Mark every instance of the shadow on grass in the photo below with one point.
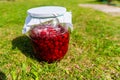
(24, 45)
(2, 76)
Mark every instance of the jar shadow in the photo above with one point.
(24, 45)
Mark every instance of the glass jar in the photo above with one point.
(50, 35)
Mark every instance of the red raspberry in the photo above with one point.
(49, 43)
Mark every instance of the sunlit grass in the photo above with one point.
(94, 48)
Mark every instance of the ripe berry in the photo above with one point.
(49, 43)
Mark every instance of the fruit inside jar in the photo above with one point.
(49, 43)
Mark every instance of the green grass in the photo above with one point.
(94, 48)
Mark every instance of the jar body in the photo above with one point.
(50, 43)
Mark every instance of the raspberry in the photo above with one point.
(49, 43)
(42, 33)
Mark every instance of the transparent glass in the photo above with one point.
(49, 40)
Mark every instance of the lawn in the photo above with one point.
(94, 48)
